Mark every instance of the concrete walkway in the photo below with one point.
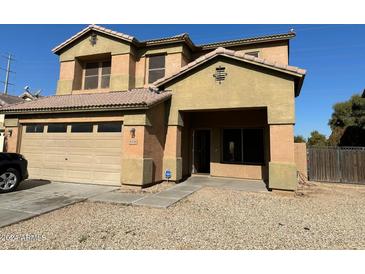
(172, 195)
(228, 183)
(36, 197)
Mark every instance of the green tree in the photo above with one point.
(299, 139)
(317, 139)
(347, 115)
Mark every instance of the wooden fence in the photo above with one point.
(337, 164)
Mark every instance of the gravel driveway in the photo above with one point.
(326, 216)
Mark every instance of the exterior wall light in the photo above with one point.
(133, 133)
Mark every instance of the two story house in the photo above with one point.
(126, 111)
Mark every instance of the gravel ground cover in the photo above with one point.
(320, 216)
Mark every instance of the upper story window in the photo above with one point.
(97, 75)
(156, 68)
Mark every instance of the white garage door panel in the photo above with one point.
(75, 157)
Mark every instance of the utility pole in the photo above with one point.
(7, 73)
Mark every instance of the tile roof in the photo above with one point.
(235, 54)
(116, 34)
(258, 39)
(184, 37)
(6, 99)
(132, 99)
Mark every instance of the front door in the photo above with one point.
(201, 151)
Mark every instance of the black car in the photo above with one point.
(13, 170)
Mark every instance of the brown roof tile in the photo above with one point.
(98, 28)
(258, 39)
(230, 53)
(136, 98)
(184, 37)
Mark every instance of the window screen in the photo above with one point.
(253, 146)
(91, 76)
(57, 128)
(82, 127)
(232, 145)
(34, 128)
(105, 74)
(156, 68)
(243, 146)
(110, 127)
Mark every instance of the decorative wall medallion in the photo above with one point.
(93, 39)
(220, 74)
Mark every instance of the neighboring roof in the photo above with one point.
(6, 99)
(184, 37)
(132, 99)
(26, 95)
(295, 71)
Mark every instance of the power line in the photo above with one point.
(7, 73)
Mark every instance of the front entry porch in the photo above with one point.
(232, 143)
(229, 143)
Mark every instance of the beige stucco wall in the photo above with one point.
(172, 159)
(154, 140)
(273, 51)
(282, 143)
(11, 143)
(122, 72)
(282, 166)
(254, 172)
(142, 161)
(245, 86)
(103, 45)
(300, 155)
(140, 70)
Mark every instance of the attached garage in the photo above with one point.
(109, 138)
(74, 152)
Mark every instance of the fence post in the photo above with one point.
(339, 163)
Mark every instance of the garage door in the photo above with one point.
(76, 152)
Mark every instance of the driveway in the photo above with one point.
(36, 197)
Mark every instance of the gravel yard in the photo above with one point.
(326, 216)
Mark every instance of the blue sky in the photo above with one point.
(334, 56)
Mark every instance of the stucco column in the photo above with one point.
(282, 168)
(172, 153)
(122, 72)
(12, 135)
(67, 73)
(11, 139)
(136, 168)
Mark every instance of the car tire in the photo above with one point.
(9, 180)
